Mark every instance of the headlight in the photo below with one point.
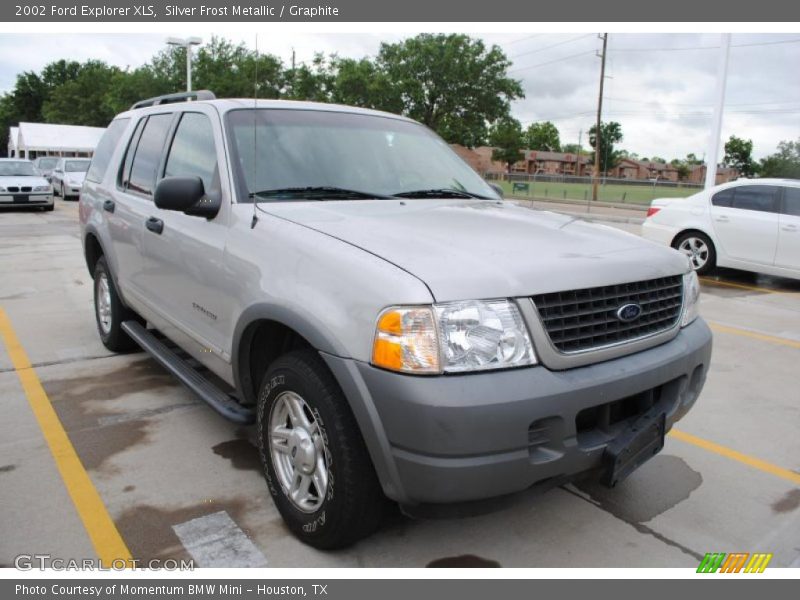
(453, 337)
(2, 189)
(42, 188)
(691, 298)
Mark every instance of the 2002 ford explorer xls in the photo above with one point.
(392, 326)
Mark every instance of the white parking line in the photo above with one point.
(216, 541)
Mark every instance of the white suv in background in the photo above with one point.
(749, 224)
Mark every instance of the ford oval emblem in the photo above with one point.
(629, 312)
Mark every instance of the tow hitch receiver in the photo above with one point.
(636, 444)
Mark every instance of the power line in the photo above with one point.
(684, 48)
(527, 37)
(543, 48)
(550, 62)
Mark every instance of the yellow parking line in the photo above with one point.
(753, 334)
(746, 287)
(105, 537)
(750, 461)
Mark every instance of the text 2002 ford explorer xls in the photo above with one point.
(391, 325)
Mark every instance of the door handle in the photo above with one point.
(722, 219)
(154, 225)
(109, 206)
(789, 227)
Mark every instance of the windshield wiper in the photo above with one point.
(320, 192)
(439, 193)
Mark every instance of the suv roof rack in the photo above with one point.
(172, 98)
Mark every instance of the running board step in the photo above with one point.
(221, 402)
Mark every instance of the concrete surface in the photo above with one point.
(169, 469)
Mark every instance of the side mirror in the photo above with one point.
(497, 189)
(188, 195)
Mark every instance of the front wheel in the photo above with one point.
(699, 249)
(109, 311)
(315, 462)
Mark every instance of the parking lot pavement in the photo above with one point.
(178, 481)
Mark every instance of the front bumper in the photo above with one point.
(469, 437)
(26, 199)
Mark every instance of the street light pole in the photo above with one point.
(719, 104)
(187, 44)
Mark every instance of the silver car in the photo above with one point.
(68, 175)
(392, 327)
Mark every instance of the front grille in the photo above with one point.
(586, 319)
(26, 188)
(13, 188)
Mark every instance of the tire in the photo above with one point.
(55, 191)
(63, 193)
(50, 208)
(700, 250)
(110, 312)
(350, 504)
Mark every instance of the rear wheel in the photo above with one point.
(110, 312)
(699, 249)
(315, 462)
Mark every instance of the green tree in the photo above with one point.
(610, 134)
(362, 83)
(573, 149)
(452, 83)
(692, 160)
(543, 136)
(508, 140)
(784, 163)
(658, 159)
(739, 155)
(83, 99)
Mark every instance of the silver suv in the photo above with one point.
(393, 328)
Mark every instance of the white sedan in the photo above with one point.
(68, 176)
(21, 185)
(748, 224)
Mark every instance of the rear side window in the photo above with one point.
(723, 198)
(761, 198)
(148, 153)
(791, 201)
(105, 148)
(193, 152)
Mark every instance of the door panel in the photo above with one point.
(745, 220)
(184, 262)
(788, 255)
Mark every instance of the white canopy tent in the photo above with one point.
(30, 140)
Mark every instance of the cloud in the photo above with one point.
(660, 86)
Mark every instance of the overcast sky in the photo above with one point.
(660, 87)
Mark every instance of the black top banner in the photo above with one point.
(405, 10)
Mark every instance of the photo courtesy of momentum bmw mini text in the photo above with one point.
(295, 295)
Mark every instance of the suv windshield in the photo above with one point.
(47, 163)
(76, 166)
(289, 154)
(14, 168)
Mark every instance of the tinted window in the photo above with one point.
(148, 154)
(723, 198)
(193, 151)
(105, 148)
(756, 197)
(76, 166)
(47, 163)
(17, 168)
(791, 201)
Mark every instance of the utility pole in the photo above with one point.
(597, 133)
(716, 131)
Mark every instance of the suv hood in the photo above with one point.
(472, 249)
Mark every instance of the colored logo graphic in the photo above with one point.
(744, 562)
